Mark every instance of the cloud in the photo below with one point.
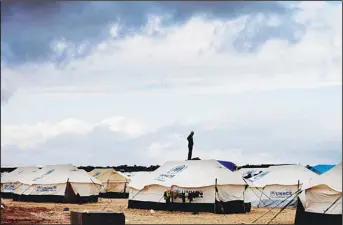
(83, 25)
(190, 58)
(262, 137)
(27, 136)
(259, 83)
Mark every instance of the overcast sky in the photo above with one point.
(112, 83)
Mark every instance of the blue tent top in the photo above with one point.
(230, 165)
(320, 169)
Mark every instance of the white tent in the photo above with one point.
(58, 183)
(277, 186)
(322, 203)
(25, 178)
(146, 190)
(114, 182)
(4, 174)
(12, 180)
(324, 192)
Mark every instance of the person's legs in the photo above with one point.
(190, 148)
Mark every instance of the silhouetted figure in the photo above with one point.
(190, 145)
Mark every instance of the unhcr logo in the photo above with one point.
(9, 187)
(171, 173)
(46, 188)
(177, 169)
(280, 194)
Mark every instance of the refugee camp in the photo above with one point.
(210, 187)
(171, 112)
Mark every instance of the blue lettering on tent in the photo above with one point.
(9, 187)
(46, 189)
(280, 194)
(171, 173)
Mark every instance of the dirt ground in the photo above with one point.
(53, 213)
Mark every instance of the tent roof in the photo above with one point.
(282, 175)
(188, 174)
(50, 174)
(59, 174)
(132, 174)
(19, 174)
(332, 178)
(111, 174)
(247, 170)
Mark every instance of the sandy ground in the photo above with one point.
(52, 213)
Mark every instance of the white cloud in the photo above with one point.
(124, 125)
(249, 138)
(183, 70)
(28, 136)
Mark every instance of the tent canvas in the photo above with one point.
(58, 183)
(11, 181)
(26, 178)
(323, 199)
(190, 176)
(324, 192)
(132, 174)
(277, 186)
(4, 174)
(114, 182)
(250, 172)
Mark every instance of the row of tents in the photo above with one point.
(193, 185)
(234, 191)
(62, 183)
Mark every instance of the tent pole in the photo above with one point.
(108, 182)
(215, 195)
(332, 204)
(260, 200)
(298, 185)
(66, 193)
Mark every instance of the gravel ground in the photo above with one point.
(52, 213)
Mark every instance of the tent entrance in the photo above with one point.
(71, 197)
(302, 217)
(237, 206)
(69, 194)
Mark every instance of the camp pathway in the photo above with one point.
(43, 213)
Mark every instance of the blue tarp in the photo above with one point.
(320, 169)
(230, 165)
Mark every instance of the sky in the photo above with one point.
(124, 83)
